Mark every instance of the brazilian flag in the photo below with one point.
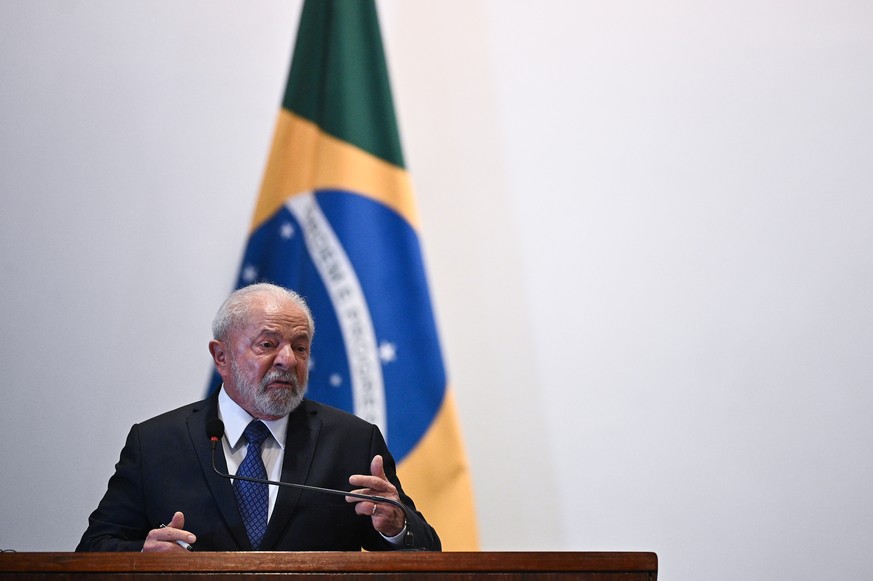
(336, 221)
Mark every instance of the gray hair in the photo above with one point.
(234, 311)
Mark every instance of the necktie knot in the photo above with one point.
(256, 432)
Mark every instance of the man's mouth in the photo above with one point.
(280, 382)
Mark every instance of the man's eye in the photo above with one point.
(266, 344)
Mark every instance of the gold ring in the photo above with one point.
(374, 509)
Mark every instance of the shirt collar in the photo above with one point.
(236, 419)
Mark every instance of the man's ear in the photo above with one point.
(219, 355)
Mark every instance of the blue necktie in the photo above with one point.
(253, 497)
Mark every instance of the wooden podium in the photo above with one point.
(382, 566)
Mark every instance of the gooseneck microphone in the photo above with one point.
(215, 431)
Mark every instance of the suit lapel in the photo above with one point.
(221, 488)
(303, 430)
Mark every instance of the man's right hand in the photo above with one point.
(164, 538)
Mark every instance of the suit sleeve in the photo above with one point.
(423, 535)
(119, 523)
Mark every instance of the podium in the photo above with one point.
(377, 566)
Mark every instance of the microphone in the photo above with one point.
(215, 431)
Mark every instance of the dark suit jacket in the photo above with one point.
(166, 465)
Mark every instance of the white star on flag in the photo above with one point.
(286, 230)
(249, 273)
(387, 352)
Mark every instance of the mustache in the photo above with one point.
(279, 375)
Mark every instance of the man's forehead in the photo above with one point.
(275, 316)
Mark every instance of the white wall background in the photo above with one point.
(649, 232)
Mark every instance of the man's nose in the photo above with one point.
(285, 358)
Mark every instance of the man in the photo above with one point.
(165, 493)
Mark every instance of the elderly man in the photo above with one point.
(165, 494)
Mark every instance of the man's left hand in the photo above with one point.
(387, 519)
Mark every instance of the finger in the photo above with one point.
(164, 539)
(363, 482)
(377, 475)
(178, 521)
(377, 467)
(362, 507)
(376, 483)
(175, 530)
(372, 485)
